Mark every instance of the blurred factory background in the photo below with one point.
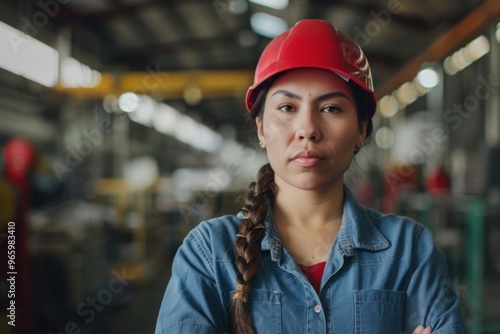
(122, 125)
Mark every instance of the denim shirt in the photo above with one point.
(384, 274)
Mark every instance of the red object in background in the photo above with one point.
(438, 181)
(397, 178)
(20, 156)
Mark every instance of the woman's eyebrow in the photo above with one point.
(331, 95)
(288, 94)
(319, 98)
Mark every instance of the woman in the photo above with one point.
(303, 256)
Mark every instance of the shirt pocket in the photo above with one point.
(379, 311)
(265, 310)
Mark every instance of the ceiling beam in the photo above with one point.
(167, 85)
(115, 9)
(454, 38)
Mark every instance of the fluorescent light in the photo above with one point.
(466, 55)
(25, 56)
(209, 140)
(75, 74)
(128, 102)
(196, 134)
(186, 130)
(141, 173)
(267, 25)
(274, 4)
(421, 90)
(428, 78)
(478, 48)
(165, 119)
(388, 106)
(406, 94)
(169, 121)
(144, 112)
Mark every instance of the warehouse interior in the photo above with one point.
(123, 125)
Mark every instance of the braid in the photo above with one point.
(247, 246)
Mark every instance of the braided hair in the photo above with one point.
(247, 246)
(252, 229)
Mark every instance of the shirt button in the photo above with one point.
(317, 308)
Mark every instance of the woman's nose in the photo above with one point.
(307, 127)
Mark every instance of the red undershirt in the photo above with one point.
(314, 273)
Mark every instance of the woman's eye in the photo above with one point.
(286, 108)
(331, 109)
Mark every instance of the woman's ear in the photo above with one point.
(260, 131)
(362, 132)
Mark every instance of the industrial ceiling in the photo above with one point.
(201, 54)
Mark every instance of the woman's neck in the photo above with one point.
(313, 208)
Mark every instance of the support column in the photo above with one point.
(493, 103)
(492, 115)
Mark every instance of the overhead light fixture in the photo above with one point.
(167, 120)
(143, 113)
(406, 94)
(466, 55)
(128, 102)
(27, 57)
(428, 78)
(478, 48)
(388, 106)
(421, 90)
(274, 4)
(77, 75)
(267, 25)
(141, 173)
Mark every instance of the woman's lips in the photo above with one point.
(307, 159)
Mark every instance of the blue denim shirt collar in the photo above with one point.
(356, 232)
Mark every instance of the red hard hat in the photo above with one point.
(313, 44)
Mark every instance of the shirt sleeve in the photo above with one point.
(191, 303)
(432, 300)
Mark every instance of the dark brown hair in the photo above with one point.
(247, 246)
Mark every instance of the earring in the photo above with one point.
(261, 144)
(358, 147)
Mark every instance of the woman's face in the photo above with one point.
(310, 128)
